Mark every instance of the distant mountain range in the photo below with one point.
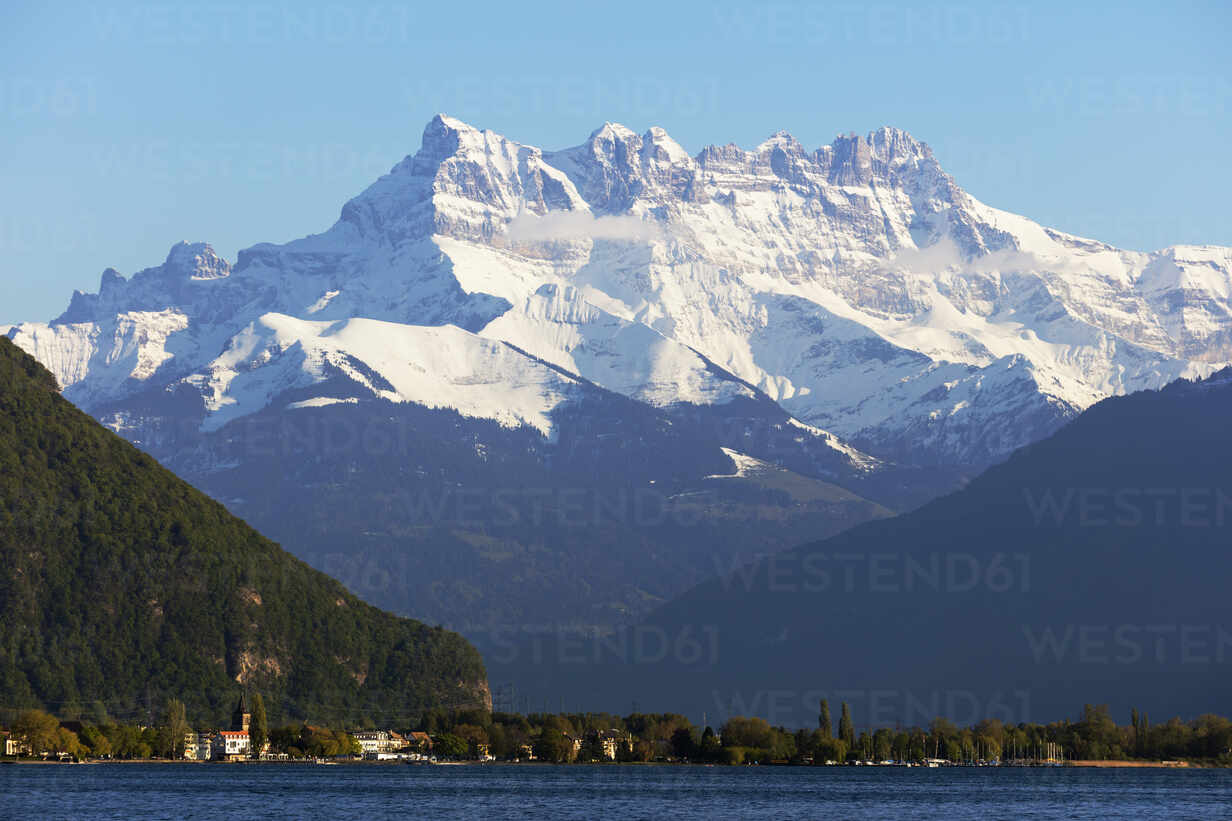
(123, 586)
(1091, 567)
(493, 335)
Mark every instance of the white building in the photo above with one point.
(376, 742)
(15, 746)
(614, 742)
(230, 745)
(198, 746)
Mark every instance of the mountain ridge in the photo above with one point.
(123, 585)
(1086, 567)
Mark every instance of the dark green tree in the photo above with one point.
(684, 744)
(287, 739)
(448, 745)
(173, 729)
(747, 732)
(37, 729)
(823, 720)
(591, 750)
(258, 728)
(98, 714)
(553, 746)
(864, 746)
(709, 747)
(883, 744)
(846, 731)
(96, 742)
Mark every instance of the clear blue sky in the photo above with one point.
(126, 128)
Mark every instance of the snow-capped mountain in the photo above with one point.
(517, 387)
(856, 285)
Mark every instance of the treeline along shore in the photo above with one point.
(473, 735)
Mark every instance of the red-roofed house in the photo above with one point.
(231, 745)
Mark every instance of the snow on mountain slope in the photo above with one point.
(438, 367)
(557, 324)
(870, 230)
(745, 466)
(93, 360)
(856, 285)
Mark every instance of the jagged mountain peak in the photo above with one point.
(463, 182)
(617, 164)
(611, 131)
(447, 139)
(620, 145)
(443, 120)
(111, 278)
(660, 146)
(889, 142)
(195, 260)
(444, 136)
(781, 140)
(188, 267)
(883, 154)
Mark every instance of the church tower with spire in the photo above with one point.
(241, 718)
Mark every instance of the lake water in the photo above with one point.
(494, 792)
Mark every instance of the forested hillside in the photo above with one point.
(122, 584)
